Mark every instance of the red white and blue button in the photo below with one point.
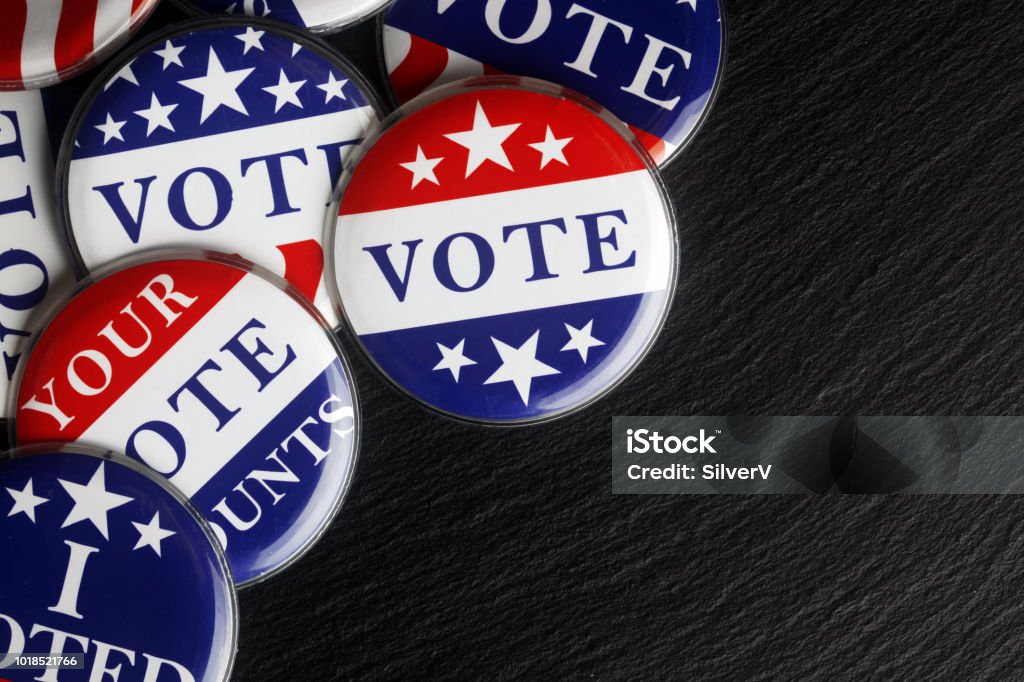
(503, 253)
(226, 135)
(46, 41)
(319, 16)
(34, 266)
(216, 376)
(655, 64)
(105, 561)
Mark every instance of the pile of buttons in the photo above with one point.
(187, 243)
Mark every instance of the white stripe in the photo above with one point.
(209, 450)
(39, 236)
(40, 36)
(112, 24)
(459, 66)
(247, 230)
(397, 44)
(372, 306)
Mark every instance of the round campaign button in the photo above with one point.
(216, 375)
(655, 64)
(34, 264)
(108, 568)
(503, 252)
(319, 16)
(225, 135)
(45, 41)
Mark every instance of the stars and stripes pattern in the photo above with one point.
(98, 549)
(429, 43)
(212, 82)
(318, 15)
(43, 41)
(472, 164)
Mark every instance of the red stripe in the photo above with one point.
(655, 145)
(77, 327)
(12, 30)
(423, 65)
(303, 265)
(75, 33)
(136, 4)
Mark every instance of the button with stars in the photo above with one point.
(226, 135)
(655, 64)
(504, 252)
(318, 16)
(43, 42)
(104, 559)
(219, 376)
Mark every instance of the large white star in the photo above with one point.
(286, 92)
(92, 501)
(157, 115)
(422, 168)
(691, 3)
(484, 141)
(520, 366)
(170, 54)
(25, 501)
(125, 73)
(111, 129)
(151, 534)
(218, 87)
(581, 340)
(251, 39)
(552, 149)
(333, 87)
(453, 359)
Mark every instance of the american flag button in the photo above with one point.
(46, 41)
(106, 562)
(35, 269)
(504, 252)
(226, 135)
(319, 16)
(655, 64)
(216, 374)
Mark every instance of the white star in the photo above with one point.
(581, 340)
(286, 92)
(551, 149)
(92, 501)
(296, 47)
(691, 3)
(170, 54)
(218, 87)
(25, 501)
(333, 88)
(151, 534)
(251, 39)
(453, 359)
(126, 73)
(422, 168)
(157, 116)
(111, 129)
(520, 366)
(484, 141)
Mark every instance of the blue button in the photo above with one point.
(104, 560)
(655, 64)
(503, 252)
(226, 135)
(319, 16)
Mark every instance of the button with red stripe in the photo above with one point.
(319, 16)
(656, 64)
(105, 561)
(46, 41)
(35, 269)
(226, 135)
(215, 374)
(504, 252)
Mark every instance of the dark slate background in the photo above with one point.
(851, 220)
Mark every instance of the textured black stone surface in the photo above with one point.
(851, 217)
